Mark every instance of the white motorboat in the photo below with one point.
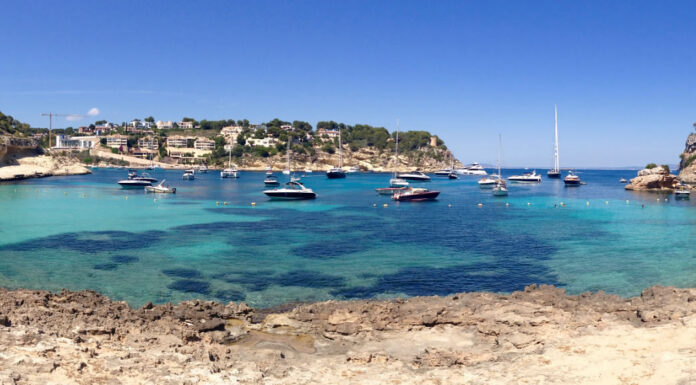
(444, 172)
(161, 189)
(500, 189)
(527, 177)
(271, 180)
(398, 182)
(308, 171)
(134, 183)
(292, 190)
(488, 181)
(189, 175)
(203, 169)
(623, 180)
(416, 176)
(682, 192)
(352, 170)
(472, 169)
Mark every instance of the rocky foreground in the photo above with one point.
(538, 336)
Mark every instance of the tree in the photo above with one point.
(650, 166)
(100, 122)
(150, 119)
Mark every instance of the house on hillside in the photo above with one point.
(265, 142)
(164, 125)
(186, 125)
(204, 144)
(65, 142)
(148, 143)
(117, 141)
(329, 133)
(177, 141)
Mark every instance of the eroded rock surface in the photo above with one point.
(539, 335)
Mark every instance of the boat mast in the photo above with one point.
(288, 153)
(340, 149)
(396, 153)
(500, 145)
(557, 165)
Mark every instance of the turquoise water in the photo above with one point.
(208, 241)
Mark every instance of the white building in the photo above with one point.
(186, 125)
(265, 142)
(148, 143)
(204, 144)
(287, 127)
(330, 133)
(177, 141)
(75, 142)
(164, 125)
(231, 130)
(117, 141)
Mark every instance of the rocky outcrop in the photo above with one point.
(23, 167)
(539, 335)
(687, 165)
(653, 179)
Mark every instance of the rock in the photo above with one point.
(4, 321)
(653, 182)
(210, 325)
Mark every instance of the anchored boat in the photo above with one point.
(292, 190)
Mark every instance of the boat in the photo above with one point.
(472, 169)
(144, 177)
(203, 169)
(308, 171)
(572, 180)
(500, 188)
(292, 190)
(189, 175)
(527, 177)
(453, 175)
(555, 173)
(444, 172)
(488, 181)
(395, 183)
(271, 180)
(415, 194)
(398, 182)
(231, 170)
(623, 180)
(682, 192)
(352, 169)
(161, 188)
(134, 183)
(337, 172)
(417, 176)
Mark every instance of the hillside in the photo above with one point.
(11, 126)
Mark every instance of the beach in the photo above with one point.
(539, 335)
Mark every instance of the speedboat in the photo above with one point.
(230, 172)
(134, 183)
(623, 180)
(527, 177)
(682, 192)
(352, 169)
(202, 169)
(416, 176)
(417, 194)
(572, 180)
(553, 174)
(335, 173)
(398, 182)
(189, 175)
(271, 180)
(488, 181)
(500, 189)
(286, 171)
(390, 190)
(452, 175)
(292, 190)
(308, 171)
(161, 188)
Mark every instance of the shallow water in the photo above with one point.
(208, 241)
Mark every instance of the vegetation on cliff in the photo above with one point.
(12, 126)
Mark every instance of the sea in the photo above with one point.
(224, 240)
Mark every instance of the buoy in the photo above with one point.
(386, 205)
(480, 205)
(606, 202)
(224, 203)
(374, 205)
(126, 197)
(65, 193)
(449, 205)
(587, 203)
(657, 199)
(627, 201)
(83, 195)
(217, 203)
(507, 204)
(253, 203)
(665, 199)
(154, 200)
(529, 204)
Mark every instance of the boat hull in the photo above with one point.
(553, 174)
(335, 174)
(134, 184)
(572, 183)
(290, 195)
(415, 178)
(416, 197)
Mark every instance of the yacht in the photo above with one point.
(416, 194)
(416, 176)
(555, 173)
(308, 171)
(682, 192)
(203, 169)
(472, 169)
(189, 175)
(572, 180)
(500, 188)
(527, 177)
(444, 172)
(390, 190)
(352, 169)
(453, 175)
(144, 177)
(623, 180)
(161, 189)
(395, 183)
(337, 172)
(292, 190)
(271, 180)
(231, 170)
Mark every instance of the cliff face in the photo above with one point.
(653, 179)
(427, 159)
(687, 165)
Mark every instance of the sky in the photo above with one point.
(623, 73)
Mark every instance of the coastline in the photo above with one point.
(41, 166)
(539, 335)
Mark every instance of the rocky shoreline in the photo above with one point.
(539, 335)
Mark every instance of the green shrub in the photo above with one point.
(666, 167)
(650, 166)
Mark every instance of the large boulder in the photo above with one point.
(653, 179)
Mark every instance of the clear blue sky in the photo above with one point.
(623, 73)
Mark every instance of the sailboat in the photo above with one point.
(337, 172)
(395, 183)
(230, 172)
(500, 189)
(556, 172)
(287, 152)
